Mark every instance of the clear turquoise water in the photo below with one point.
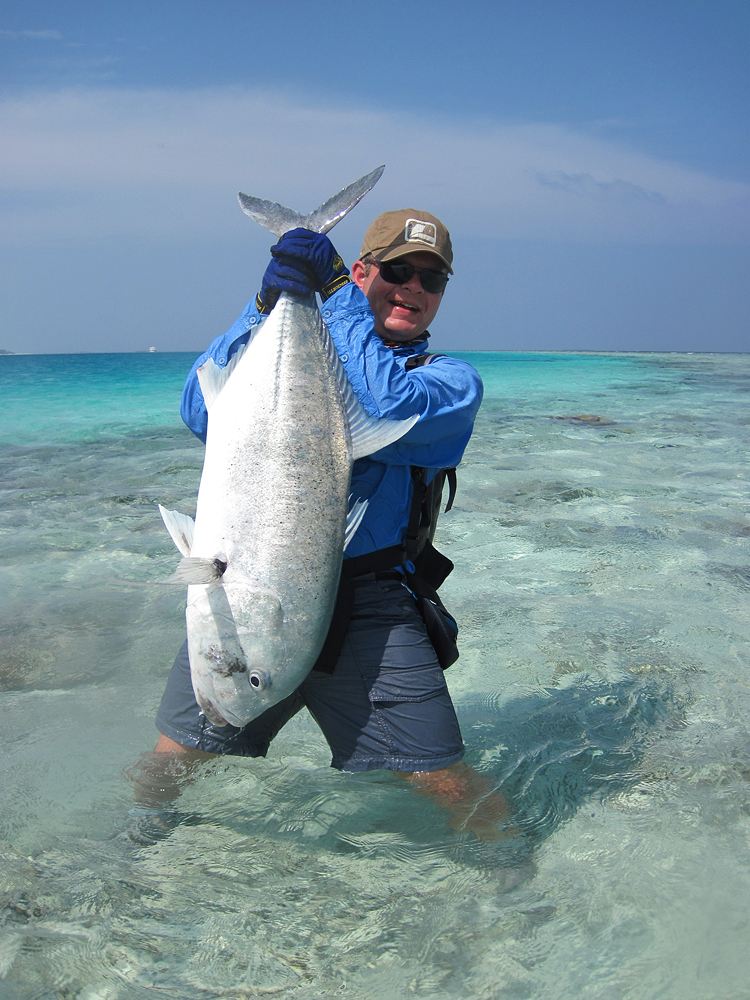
(602, 589)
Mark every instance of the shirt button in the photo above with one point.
(344, 358)
(327, 314)
(222, 361)
(253, 320)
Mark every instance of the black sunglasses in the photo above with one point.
(398, 273)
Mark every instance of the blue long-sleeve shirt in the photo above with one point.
(446, 393)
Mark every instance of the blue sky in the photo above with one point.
(590, 159)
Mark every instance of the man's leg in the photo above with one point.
(387, 706)
(184, 728)
(167, 745)
(159, 776)
(188, 739)
(470, 798)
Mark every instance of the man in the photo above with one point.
(383, 702)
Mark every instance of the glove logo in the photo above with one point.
(337, 264)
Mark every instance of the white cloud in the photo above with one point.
(92, 164)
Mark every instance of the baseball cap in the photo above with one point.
(407, 230)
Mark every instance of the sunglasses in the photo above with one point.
(398, 273)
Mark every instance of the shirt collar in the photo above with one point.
(409, 347)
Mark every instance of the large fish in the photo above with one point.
(263, 557)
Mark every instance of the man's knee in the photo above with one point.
(451, 783)
(167, 745)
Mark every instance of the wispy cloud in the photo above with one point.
(49, 34)
(586, 186)
(88, 164)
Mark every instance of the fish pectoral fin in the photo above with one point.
(354, 519)
(195, 570)
(180, 527)
(366, 432)
(369, 434)
(213, 379)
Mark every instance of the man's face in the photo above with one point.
(402, 312)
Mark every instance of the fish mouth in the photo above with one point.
(208, 709)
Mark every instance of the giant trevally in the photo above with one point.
(263, 557)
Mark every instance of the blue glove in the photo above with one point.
(302, 262)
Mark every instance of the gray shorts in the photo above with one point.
(386, 705)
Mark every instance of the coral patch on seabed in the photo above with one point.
(587, 418)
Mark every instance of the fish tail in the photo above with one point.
(280, 219)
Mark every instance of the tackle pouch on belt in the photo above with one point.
(442, 630)
(428, 569)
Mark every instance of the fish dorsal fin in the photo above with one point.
(213, 379)
(280, 219)
(180, 527)
(368, 433)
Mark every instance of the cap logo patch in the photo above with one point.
(416, 231)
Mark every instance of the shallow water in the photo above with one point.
(602, 588)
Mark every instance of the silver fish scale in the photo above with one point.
(272, 505)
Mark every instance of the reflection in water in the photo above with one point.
(563, 747)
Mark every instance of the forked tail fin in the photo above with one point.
(280, 220)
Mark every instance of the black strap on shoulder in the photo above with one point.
(417, 360)
(450, 475)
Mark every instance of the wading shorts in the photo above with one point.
(386, 705)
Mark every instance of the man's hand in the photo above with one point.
(302, 262)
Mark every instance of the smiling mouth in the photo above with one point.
(406, 305)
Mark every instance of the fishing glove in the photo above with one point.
(302, 262)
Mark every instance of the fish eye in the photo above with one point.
(258, 680)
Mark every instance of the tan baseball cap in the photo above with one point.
(408, 230)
